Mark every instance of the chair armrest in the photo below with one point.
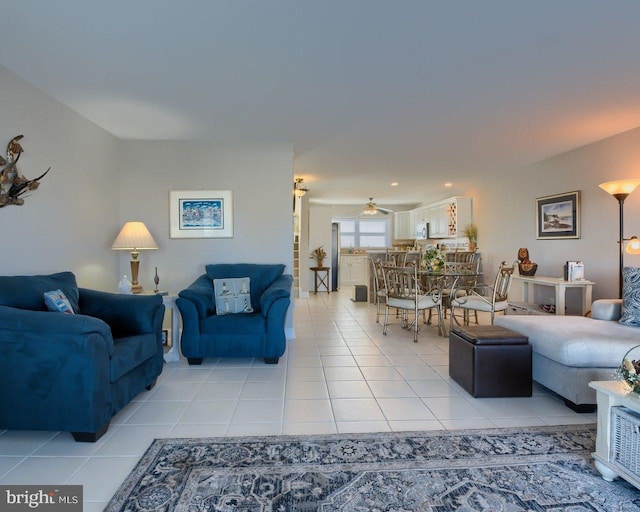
(279, 289)
(127, 315)
(41, 326)
(606, 309)
(200, 293)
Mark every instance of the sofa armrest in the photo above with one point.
(200, 293)
(42, 326)
(127, 315)
(279, 289)
(606, 309)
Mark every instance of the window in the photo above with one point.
(364, 233)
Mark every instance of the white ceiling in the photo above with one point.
(368, 91)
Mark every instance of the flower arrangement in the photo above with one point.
(319, 255)
(433, 259)
(629, 371)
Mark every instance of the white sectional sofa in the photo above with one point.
(571, 351)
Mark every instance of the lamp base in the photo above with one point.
(136, 288)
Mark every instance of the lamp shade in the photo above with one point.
(134, 236)
(622, 187)
(633, 245)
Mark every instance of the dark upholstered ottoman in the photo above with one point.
(490, 361)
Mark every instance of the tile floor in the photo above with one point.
(339, 375)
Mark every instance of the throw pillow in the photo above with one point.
(56, 300)
(630, 297)
(232, 295)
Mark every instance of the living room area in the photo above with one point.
(119, 153)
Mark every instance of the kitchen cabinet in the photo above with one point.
(449, 218)
(354, 269)
(404, 225)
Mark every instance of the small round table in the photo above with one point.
(320, 278)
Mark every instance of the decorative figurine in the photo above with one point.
(156, 280)
(525, 266)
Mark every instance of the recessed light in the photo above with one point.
(394, 184)
(448, 184)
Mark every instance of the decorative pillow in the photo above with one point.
(57, 301)
(630, 296)
(232, 295)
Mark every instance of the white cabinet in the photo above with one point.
(404, 226)
(449, 218)
(354, 269)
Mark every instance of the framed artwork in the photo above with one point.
(558, 216)
(200, 214)
(165, 336)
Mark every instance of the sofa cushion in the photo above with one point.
(251, 323)
(130, 352)
(57, 302)
(574, 340)
(27, 292)
(260, 274)
(232, 295)
(630, 297)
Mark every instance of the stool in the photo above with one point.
(320, 278)
(490, 361)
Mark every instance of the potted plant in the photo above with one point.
(471, 232)
(319, 255)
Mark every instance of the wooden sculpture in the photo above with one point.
(12, 184)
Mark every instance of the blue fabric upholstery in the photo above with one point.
(27, 292)
(257, 334)
(74, 372)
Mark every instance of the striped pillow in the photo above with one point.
(630, 296)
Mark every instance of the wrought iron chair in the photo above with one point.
(460, 256)
(493, 300)
(405, 292)
(459, 274)
(379, 289)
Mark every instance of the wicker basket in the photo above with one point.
(625, 440)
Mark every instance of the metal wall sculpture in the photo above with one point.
(12, 184)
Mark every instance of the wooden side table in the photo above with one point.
(320, 278)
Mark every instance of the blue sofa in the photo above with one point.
(260, 333)
(74, 372)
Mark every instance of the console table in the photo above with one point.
(560, 286)
(612, 394)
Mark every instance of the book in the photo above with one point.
(574, 271)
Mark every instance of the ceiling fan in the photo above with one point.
(372, 208)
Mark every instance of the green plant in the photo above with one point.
(471, 232)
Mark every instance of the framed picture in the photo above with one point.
(200, 214)
(165, 336)
(558, 216)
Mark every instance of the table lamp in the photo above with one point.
(134, 237)
(620, 190)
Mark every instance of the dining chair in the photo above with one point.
(459, 256)
(379, 289)
(490, 299)
(405, 293)
(459, 275)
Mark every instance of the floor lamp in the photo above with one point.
(134, 236)
(620, 190)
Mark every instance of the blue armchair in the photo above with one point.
(74, 372)
(208, 332)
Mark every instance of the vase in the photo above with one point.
(320, 263)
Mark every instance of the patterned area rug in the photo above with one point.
(532, 469)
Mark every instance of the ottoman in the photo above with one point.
(490, 361)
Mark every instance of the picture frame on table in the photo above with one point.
(558, 216)
(200, 214)
(165, 336)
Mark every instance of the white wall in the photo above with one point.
(505, 211)
(64, 224)
(260, 177)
